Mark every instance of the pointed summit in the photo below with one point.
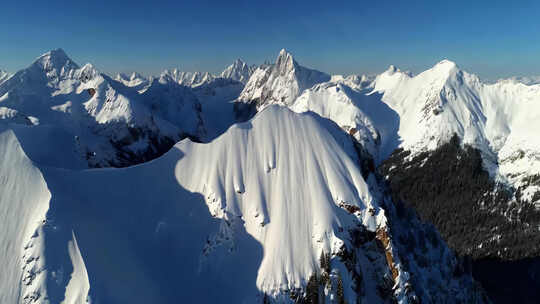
(280, 83)
(285, 61)
(55, 58)
(238, 71)
(445, 65)
(55, 64)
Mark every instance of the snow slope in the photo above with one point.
(23, 205)
(259, 204)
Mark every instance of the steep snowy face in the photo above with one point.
(280, 83)
(238, 71)
(23, 205)
(249, 175)
(112, 124)
(496, 118)
(278, 203)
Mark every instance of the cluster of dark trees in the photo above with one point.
(449, 188)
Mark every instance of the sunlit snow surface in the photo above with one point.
(250, 212)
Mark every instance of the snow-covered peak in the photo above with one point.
(444, 68)
(280, 83)
(285, 62)
(238, 71)
(495, 118)
(55, 63)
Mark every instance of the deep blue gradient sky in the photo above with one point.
(490, 38)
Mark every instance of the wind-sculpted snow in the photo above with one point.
(252, 173)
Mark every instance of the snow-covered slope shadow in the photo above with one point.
(145, 239)
(385, 120)
(24, 200)
(49, 145)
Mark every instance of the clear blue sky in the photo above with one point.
(490, 38)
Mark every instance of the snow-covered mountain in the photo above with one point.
(280, 83)
(105, 122)
(416, 113)
(501, 119)
(262, 201)
(420, 115)
(278, 203)
(238, 71)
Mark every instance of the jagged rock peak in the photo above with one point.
(285, 61)
(238, 71)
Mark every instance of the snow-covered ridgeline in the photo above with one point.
(261, 204)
